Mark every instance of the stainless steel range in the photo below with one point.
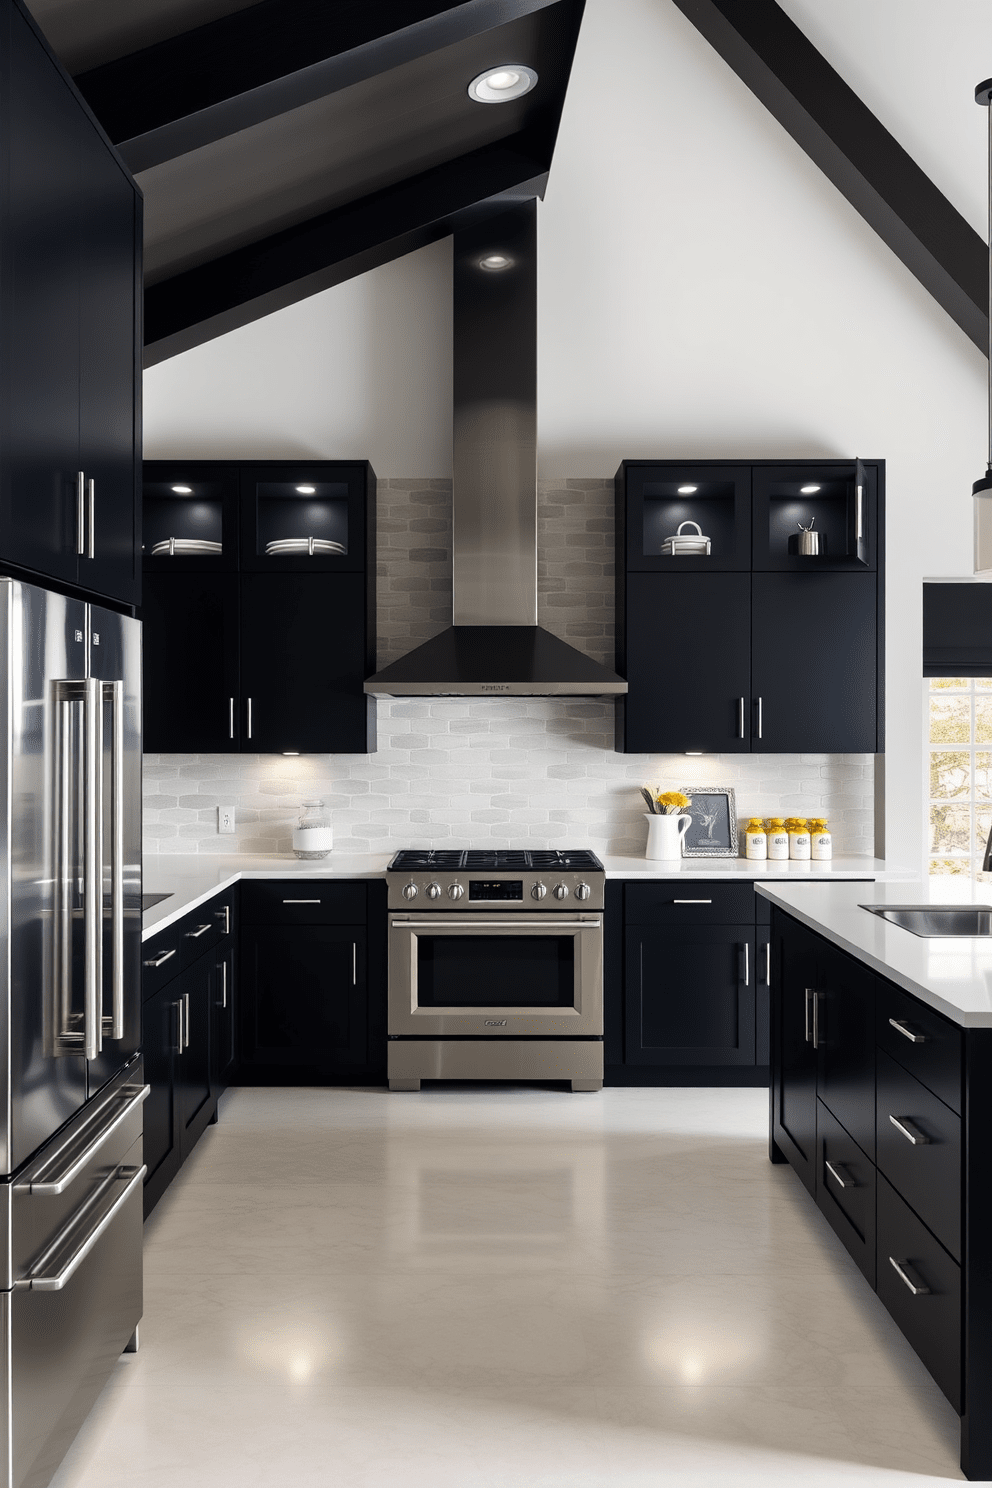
(496, 967)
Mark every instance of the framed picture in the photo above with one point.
(713, 833)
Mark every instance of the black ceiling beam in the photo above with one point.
(220, 78)
(854, 150)
(241, 286)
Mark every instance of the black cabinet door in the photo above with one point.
(40, 312)
(814, 663)
(303, 664)
(794, 1059)
(161, 1021)
(845, 1029)
(108, 248)
(190, 663)
(222, 1048)
(194, 1093)
(303, 996)
(688, 647)
(690, 995)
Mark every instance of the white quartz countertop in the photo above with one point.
(191, 879)
(952, 976)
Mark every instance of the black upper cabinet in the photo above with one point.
(255, 651)
(681, 621)
(70, 224)
(777, 651)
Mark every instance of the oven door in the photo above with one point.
(496, 975)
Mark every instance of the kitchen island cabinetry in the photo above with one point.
(784, 649)
(70, 228)
(883, 1106)
(253, 643)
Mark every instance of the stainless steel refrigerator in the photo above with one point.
(71, 1087)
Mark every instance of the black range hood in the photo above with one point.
(495, 645)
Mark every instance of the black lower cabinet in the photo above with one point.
(920, 1285)
(690, 995)
(223, 1044)
(162, 1149)
(845, 1190)
(304, 996)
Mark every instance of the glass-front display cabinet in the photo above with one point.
(813, 517)
(686, 518)
(303, 518)
(189, 516)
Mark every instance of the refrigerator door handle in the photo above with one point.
(119, 1109)
(54, 1282)
(92, 867)
(62, 950)
(113, 692)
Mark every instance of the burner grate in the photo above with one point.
(494, 860)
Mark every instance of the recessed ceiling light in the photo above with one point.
(687, 490)
(183, 490)
(808, 490)
(502, 84)
(494, 262)
(307, 490)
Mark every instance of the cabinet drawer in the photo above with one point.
(845, 1190)
(921, 1157)
(692, 903)
(923, 1042)
(299, 902)
(930, 1319)
(160, 959)
(166, 954)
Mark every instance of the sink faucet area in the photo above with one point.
(937, 920)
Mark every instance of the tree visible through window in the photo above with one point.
(960, 773)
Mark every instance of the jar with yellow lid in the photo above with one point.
(755, 840)
(778, 839)
(821, 843)
(798, 829)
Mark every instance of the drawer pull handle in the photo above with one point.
(692, 901)
(745, 973)
(301, 901)
(910, 1131)
(813, 1025)
(839, 1176)
(195, 934)
(909, 1277)
(160, 959)
(900, 1027)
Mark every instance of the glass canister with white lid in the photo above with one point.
(313, 835)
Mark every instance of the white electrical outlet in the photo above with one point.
(225, 818)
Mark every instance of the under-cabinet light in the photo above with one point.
(291, 753)
(808, 490)
(307, 490)
(494, 262)
(693, 753)
(502, 84)
(183, 490)
(687, 490)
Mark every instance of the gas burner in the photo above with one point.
(495, 860)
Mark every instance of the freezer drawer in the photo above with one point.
(66, 1323)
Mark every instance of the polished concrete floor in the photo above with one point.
(504, 1288)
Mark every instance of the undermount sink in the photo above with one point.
(932, 920)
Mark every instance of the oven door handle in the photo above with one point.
(503, 923)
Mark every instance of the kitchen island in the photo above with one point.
(881, 1101)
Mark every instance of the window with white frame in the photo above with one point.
(960, 773)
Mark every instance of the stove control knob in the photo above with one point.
(433, 891)
(560, 891)
(410, 891)
(538, 891)
(455, 891)
(582, 891)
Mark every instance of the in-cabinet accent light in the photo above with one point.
(808, 490)
(307, 490)
(693, 753)
(291, 753)
(183, 490)
(502, 84)
(687, 490)
(494, 262)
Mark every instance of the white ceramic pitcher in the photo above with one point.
(665, 835)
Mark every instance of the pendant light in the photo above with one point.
(982, 489)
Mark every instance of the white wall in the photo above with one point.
(704, 291)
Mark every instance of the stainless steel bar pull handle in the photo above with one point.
(859, 514)
(160, 959)
(745, 974)
(91, 518)
(810, 996)
(93, 867)
(428, 925)
(249, 718)
(222, 968)
(50, 1184)
(179, 1025)
(64, 876)
(909, 1277)
(816, 1020)
(757, 732)
(230, 718)
(132, 1178)
(741, 708)
(301, 901)
(768, 963)
(226, 914)
(910, 1131)
(692, 901)
(80, 513)
(839, 1176)
(901, 1026)
(186, 1019)
(113, 692)
(354, 964)
(195, 934)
